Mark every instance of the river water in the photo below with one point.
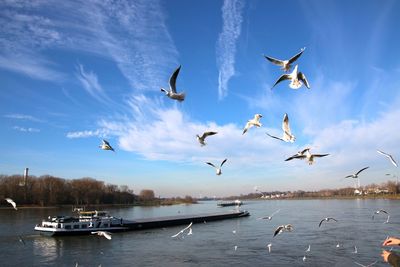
(213, 243)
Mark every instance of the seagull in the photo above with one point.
(299, 154)
(9, 200)
(355, 175)
(268, 217)
(269, 247)
(285, 64)
(359, 264)
(388, 156)
(218, 170)
(254, 122)
(355, 250)
(234, 232)
(280, 229)
(190, 231)
(202, 138)
(106, 146)
(307, 155)
(296, 79)
(338, 245)
(383, 211)
(171, 93)
(326, 220)
(304, 258)
(183, 230)
(287, 135)
(103, 233)
(236, 248)
(308, 249)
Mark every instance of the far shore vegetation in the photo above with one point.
(50, 191)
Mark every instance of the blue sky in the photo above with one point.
(74, 72)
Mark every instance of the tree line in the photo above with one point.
(48, 190)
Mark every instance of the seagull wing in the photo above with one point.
(361, 170)
(222, 163)
(172, 79)
(275, 137)
(248, 126)
(388, 156)
(106, 143)
(303, 78)
(107, 235)
(205, 134)
(321, 222)
(296, 157)
(295, 57)
(278, 230)
(282, 78)
(332, 219)
(275, 213)
(9, 200)
(320, 155)
(384, 211)
(209, 163)
(349, 176)
(285, 125)
(274, 60)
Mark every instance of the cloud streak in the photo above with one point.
(23, 129)
(91, 84)
(226, 45)
(22, 117)
(84, 134)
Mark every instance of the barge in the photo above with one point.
(230, 203)
(89, 221)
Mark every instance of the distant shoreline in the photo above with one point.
(392, 197)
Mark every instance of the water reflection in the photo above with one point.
(48, 247)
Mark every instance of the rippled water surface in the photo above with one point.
(213, 243)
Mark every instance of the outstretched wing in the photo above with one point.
(278, 230)
(285, 125)
(275, 137)
(320, 155)
(274, 60)
(205, 134)
(333, 219)
(295, 57)
(321, 222)
(361, 170)
(296, 157)
(282, 78)
(172, 79)
(303, 78)
(222, 163)
(209, 163)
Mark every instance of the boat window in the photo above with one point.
(68, 227)
(84, 225)
(58, 225)
(76, 226)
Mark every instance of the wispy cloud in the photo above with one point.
(91, 84)
(22, 117)
(83, 134)
(23, 129)
(226, 45)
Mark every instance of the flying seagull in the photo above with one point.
(218, 170)
(308, 249)
(304, 258)
(362, 265)
(253, 122)
(287, 134)
(171, 93)
(183, 230)
(9, 200)
(282, 228)
(382, 211)
(285, 64)
(103, 233)
(298, 154)
(355, 250)
(106, 146)
(355, 175)
(326, 220)
(388, 156)
(268, 217)
(296, 78)
(202, 138)
(307, 155)
(269, 247)
(21, 240)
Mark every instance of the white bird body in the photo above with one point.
(309, 248)
(287, 134)
(285, 64)
(296, 79)
(253, 122)
(382, 211)
(9, 200)
(269, 247)
(103, 233)
(218, 171)
(203, 137)
(106, 146)
(172, 93)
(282, 228)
